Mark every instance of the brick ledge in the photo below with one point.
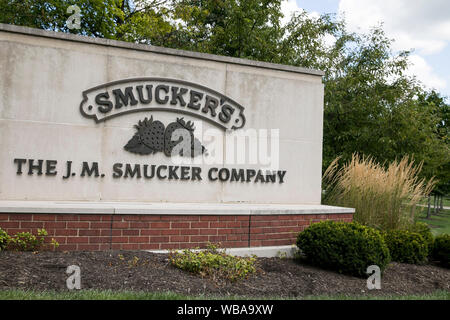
(93, 232)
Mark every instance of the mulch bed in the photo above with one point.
(276, 277)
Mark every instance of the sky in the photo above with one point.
(422, 26)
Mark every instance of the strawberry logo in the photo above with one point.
(178, 137)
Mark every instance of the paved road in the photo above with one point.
(424, 205)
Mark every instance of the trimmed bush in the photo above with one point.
(344, 247)
(441, 249)
(425, 231)
(4, 239)
(406, 246)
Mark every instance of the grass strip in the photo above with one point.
(138, 295)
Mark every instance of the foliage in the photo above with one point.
(113, 19)
(133, 262)
(441, 249)
(26, 241)
(345, 247)
(383, 198)
(214, 263)
(437, 159)
(4, 239)
(405, 246)
(372, 108)
(425, 231)
(245, 29)
(54, 243)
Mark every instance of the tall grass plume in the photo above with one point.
(383, 197)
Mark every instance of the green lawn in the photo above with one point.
(439, 223)
(129, 295)
(446, 202)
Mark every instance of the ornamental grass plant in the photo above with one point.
(384, 196)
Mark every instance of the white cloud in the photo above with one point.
(420, 25)
(424, 73)
(423, 25)
(329, 40)
(289, 7)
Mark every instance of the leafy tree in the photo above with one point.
(245, 29)
(439, 156)
(112, 19)
(372, 108)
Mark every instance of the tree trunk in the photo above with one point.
(435, 204)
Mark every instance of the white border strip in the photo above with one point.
(61, 207)
(262, 252)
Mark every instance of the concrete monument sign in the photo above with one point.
(97, 126)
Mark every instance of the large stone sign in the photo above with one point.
(98, 126)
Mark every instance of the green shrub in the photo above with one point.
(4, 239)
(406, 246)
(25, 241)
(425, 231)
(441, 249)
(214, 263)
(345, 247)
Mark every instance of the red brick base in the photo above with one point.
(135, 232)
